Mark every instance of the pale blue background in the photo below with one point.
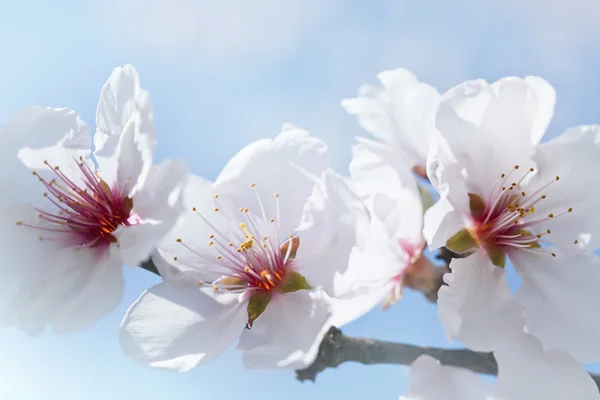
(224, 73)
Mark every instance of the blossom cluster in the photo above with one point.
(279, 247)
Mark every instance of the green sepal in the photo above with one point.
(497, 256)
(258, 304)
(292, 282)
(477, 206)
(461, 242)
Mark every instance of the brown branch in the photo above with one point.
(337, 348)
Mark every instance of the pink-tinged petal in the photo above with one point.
(528, 372)
(288, 333)
(332, 225)
(285, 167)
(176, 262)
(430, 380)
(560, 297)
(477, 306)
(356, 303)
(181, 328)
(120, 99)
(545, 109)
(574, 157)
(157, 206)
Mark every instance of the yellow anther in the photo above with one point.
(230, 244)
(264, 238)
(532, 209)
(503, 188)
(174, 258)
(272, 220)
(291, 236)
(548, 231)
(212, 236)
(19, 222)
(543, 196)
(523, 194)
(245, 210)
(276, 195)
(553, 255)
(193, 208)
(575, 242)
(216, 196)
(570, 209)
(550, 215)
(33, 173)
(215, 287)
(538, 236)
(246, 269)
(516, 167)
(513, 184)
(502, 176)
(219, 257)
(253, 184)
(211, 243)
(557, 177)
(216, 209)
(57, 168)
(200, 283)
(530, 169)
(178, 240)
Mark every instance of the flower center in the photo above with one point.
(506, 219)
(84, 215)
(251, 260)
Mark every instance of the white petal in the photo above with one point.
(181, 328)
(355, 304)
(194, 232)
(38, 134)
(400, 115)
(477, 306)
(66, 281)
(98, 299)
(332, 222)
(574, 156)
(120, 99)
(158, 206)
(527, 372)
(488, 127)
(287, 165)
(429, 380)
(545, 110)
(560, 297)
(133, 156)
(441, 222)
(288, 333)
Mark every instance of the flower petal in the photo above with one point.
(158, 205)
(35, 135)
(430, 380)
(477, 306)
(287, 166)
(574, 157)
(176, 262)
(289, 332)
(399, 115)
(120, 99)
(528, 372)
(181, 328)
(560, 295)
(331, 226)
(545, 110)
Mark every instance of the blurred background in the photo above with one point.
(225, 73)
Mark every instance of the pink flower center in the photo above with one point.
(250, 260)
(506, 219)
(83, 215)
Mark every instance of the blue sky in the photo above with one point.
(224, 73)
